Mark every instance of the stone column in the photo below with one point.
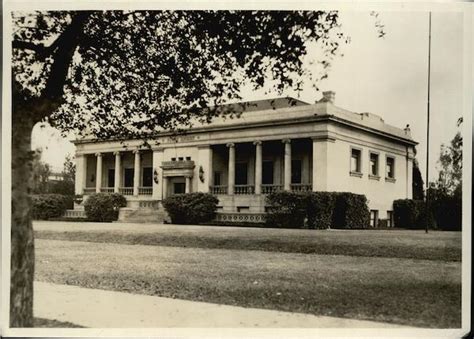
(287, 165)
(231, 169)
(188, 185)
(136, 172)
(98, 173)
(258, 167)
(118, 172)
(81, 173)
(165, 187)
(157, 174)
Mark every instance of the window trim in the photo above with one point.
(375, 176)
(393, 178)
(360, 162)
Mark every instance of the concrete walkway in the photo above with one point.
(108, 309)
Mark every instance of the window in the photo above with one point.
(241, 173)
(389, 218)
(147, 178)
(243, 209)
(355, 160)
(111, 177)
(180, 158)
(217, 178)
(128, 176)
(267, 172)
(173, 159)
(374, 218)
(188, 158)
(374, 164)
(390, 168)
(296, 171)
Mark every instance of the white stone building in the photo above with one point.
(273, 145)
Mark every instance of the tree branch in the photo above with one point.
(38, 48)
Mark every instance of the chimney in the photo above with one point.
(329, 96)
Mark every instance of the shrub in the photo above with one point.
(191, 208)
(412, 214)
(104, 207)
(46, 206)
(317, 210)
(286, 209)
(351, 211)
(320, 209)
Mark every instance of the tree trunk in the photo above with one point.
(22, 245)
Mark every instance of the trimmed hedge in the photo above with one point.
(191, 208)
(46, 206)
(317, 210)
(411, 214)
(351, 211)
(104, 207)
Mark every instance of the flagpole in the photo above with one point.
(428, 127)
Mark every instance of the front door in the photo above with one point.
(179, 187)
(111, 177)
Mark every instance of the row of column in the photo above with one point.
(258, 167)
(118, 172)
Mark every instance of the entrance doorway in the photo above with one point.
(179, 187)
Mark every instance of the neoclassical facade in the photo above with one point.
(274, 145)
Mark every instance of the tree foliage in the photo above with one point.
(40, 173)
(135, 73)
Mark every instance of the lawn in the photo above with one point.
(376, 287)
(444, 246)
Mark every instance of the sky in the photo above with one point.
(385, 76)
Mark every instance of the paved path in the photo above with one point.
(108, 309)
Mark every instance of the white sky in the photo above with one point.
(386, 76)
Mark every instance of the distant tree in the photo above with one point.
(445, 194)
(40, 174)
(66, 185)
(134, 73)
(417, 182)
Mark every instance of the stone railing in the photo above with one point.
(145, 190)
(149, 204)
(107, 190)
(89, 190)
(270, 188)
(244, 189)
(301, 187)
(75, 214)
(126, 190)
(218, 189)
(240, 217)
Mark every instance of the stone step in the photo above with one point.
(142, 215)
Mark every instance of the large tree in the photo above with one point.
(129, 74)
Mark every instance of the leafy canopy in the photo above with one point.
(134, 73)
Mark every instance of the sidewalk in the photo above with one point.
(108, 309)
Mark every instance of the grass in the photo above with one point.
(424, 293)
(437, 246)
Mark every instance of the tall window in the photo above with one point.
(296, 171)
(355, 160)
(374, 164)
(111, 177)
(217, 178)
(128, 177)
(241, 173)
(147, 179)
(390, 168)
(267, 172)
(374, 218)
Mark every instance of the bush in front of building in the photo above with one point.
(351, 211)
(320, 209)
(286, 209)
(104, 207)
(47, 206)
(191, 208)
(412, 214)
